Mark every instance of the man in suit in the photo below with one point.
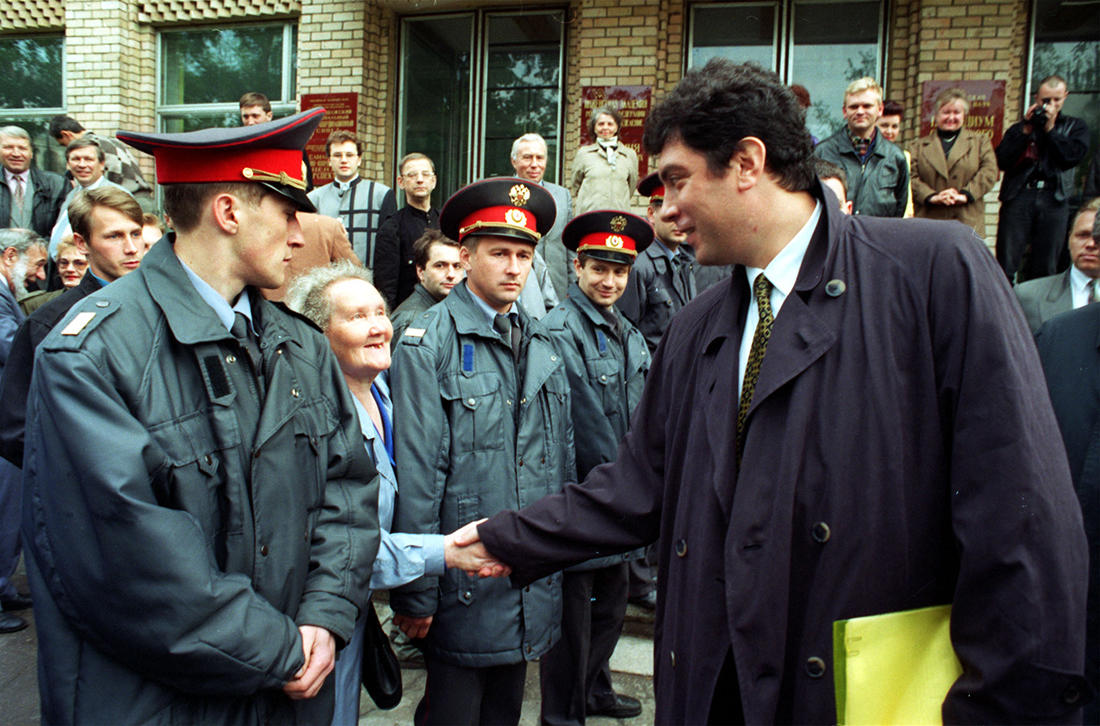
(1069, 349)
(22, 259)
(529, 155)
(1048, 296)
(29, 198)
(775, 399)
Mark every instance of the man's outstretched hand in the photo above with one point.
(463, 550)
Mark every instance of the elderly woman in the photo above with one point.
(606, 172)
(953, 168)
(341, 300)
(71, 262)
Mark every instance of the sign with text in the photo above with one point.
(987, 106)
(632, 102)
(341, 113)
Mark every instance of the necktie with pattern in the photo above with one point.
(762, 290)
(1092, 293)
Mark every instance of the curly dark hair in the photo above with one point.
(714, 107)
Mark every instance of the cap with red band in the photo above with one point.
(268, 153)
(608, 235)
(500, 207)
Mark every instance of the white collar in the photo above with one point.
(782, 271)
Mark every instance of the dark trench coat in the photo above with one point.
(901, 452)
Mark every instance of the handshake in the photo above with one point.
(463, 550)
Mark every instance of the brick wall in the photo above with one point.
(17, 15)
(109, 86)
(620, 43)
(957, 39)
(346, 47)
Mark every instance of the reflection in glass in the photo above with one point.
(740, 33)
(435, 103)
(834, 43)
(523, 86)
(33, 68)
(217, 66)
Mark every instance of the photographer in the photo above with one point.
(1038, 155)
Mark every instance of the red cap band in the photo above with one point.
(502, 216)
(608, 241)
(224, 164)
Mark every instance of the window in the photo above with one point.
(822, 44)
(471, 83)
(1066, 42)
(203, 73)
(38, 62)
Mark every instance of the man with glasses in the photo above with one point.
(360, 204)
(394, 270)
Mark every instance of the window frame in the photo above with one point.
(287, 104)
(476, 121)
(50, 158)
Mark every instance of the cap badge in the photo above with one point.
(516, 216)
(615, 240)
(618, 224)
(519, 194)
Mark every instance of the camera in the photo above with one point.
(1040, 116)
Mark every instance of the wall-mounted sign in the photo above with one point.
(341, 113)
(632, 102)
(987, 106)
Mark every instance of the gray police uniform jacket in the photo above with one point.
(177, 531)
(470, 441)
(656, 291)
(607, 372)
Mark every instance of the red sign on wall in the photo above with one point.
(632, 102)
(987, 106)
(341, 113)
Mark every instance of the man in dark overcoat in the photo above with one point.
(1069, 349)
(854, 423)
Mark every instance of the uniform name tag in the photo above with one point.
(78, 323)
(414, 332)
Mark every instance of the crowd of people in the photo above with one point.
(761, 408)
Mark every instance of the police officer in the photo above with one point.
(200, 516)
(482, 400)
(607, 360)
(663, 279)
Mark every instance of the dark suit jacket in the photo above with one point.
(883, 449)
(1045, 297)
(1069, 348)
(17, 375)
(50, 191)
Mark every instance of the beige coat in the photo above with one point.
(971, 168)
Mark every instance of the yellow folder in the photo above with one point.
(894, 668)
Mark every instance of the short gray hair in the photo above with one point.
(15, 131)
(524, 139)
(308, 294)
(21, 239)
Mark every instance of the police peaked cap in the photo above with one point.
(507, 207)
(652, 187)
(269, 153)
(608, 235)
